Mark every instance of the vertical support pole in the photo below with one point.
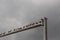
(45, 28)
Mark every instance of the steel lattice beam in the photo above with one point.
(42, 22)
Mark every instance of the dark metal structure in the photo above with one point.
(42, 22)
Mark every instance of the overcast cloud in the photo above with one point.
(16, 13)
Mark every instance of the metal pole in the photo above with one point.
(45, 28)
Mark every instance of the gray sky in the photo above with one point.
(16, 13)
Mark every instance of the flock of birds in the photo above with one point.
(23, 28)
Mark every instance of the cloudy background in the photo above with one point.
(16, 13)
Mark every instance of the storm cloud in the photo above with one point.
(16, 13)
